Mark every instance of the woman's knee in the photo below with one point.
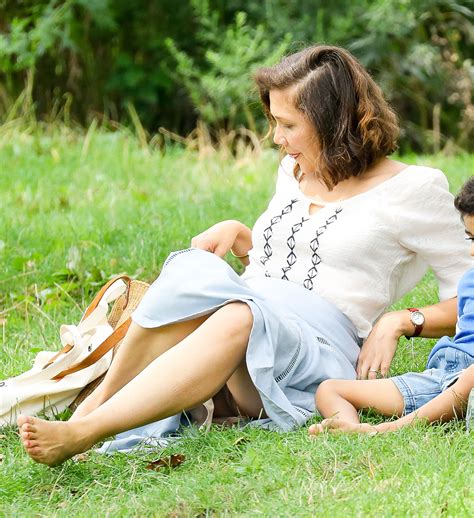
(238, 316)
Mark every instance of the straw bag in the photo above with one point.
(58, 379)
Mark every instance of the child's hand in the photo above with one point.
(379, 348)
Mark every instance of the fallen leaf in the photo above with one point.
(81, 457)
(172, 461)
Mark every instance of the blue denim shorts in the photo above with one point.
(443, 369)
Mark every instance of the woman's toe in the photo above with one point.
(21, 420)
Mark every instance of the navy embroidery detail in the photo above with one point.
(322, 340)
(268, 232)
(314, 245)
(302, 411)
(174, 254)
(291, 257)
(292, 363)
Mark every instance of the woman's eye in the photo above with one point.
(469, 239)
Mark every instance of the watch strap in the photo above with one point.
(418, 327)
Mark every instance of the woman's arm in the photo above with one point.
(225, 236)
(378, 350)
(440, 319)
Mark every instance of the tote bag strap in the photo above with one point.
(64, 350)
(93, 305)
(102, 291)
(108, 344)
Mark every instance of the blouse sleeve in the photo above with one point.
(429, 225)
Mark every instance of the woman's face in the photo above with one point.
(293, 130)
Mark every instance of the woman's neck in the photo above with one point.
(313, 186)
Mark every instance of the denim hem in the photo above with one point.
(408, 397)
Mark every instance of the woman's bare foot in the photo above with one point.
(51, 442)
(335, 425)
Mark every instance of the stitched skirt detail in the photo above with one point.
(297, 339)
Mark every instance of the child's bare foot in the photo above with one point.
(50, 442)
(335, 425)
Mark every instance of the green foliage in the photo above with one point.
(178, 62)
(420, 53)
(221, 89)
(34, 35)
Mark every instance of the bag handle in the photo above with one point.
(102, 291)
(117, 335)
(64, 350)
(93, 305)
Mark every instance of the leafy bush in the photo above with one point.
(221, 88)
(177, 62)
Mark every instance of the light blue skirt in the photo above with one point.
(297, 340)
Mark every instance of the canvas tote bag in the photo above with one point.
(57, 378)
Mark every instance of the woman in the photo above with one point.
(347, 233)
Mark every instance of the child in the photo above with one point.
(437, 394)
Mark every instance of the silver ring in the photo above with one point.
(373, 370)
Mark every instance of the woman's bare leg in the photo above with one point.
(138, 349)
(245, 396)
(182, 377)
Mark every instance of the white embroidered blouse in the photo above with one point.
(365, 252)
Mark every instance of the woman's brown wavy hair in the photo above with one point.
(354, 124)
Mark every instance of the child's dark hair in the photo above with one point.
(464, 201)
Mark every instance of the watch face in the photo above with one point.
(417, 318)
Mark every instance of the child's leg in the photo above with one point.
(451, 403)
(339, 400)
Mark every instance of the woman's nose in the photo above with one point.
(278, 137)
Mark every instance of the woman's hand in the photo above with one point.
(221, 237)
(377, 352)
(379, 348)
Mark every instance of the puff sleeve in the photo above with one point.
(429, 226)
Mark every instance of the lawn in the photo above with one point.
(76, 210)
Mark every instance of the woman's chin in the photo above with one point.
(307, 169)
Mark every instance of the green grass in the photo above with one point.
(75, 212)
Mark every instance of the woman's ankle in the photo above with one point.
(89, 404)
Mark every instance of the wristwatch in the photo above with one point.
(418, 320)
